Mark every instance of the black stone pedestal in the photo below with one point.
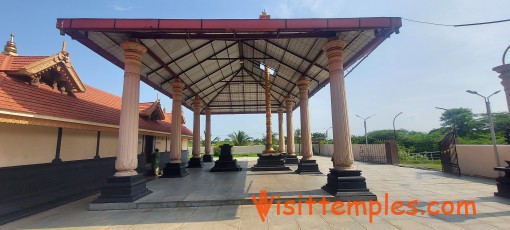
(503, 182)
(123, 189)
(195, 163)
(291, 160)
(270, 163)
(308, 167)
(348, 185)
(173, 170)
(226, 163)
(207, 158)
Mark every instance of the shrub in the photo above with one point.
(217, 150)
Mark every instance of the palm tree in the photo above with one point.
(240, 138)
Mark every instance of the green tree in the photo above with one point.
(501, 122)
(273, 138)
(318, 137)
(240, 138)
(297, 136)
(464, 118)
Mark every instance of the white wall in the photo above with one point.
(479, 160)
(26, 144)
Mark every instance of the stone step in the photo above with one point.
(201, 203)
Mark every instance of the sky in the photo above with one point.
(412, 72)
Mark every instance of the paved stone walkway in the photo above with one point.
(399, 183)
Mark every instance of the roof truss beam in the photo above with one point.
(180, 57)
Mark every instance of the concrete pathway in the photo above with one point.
(401, 184)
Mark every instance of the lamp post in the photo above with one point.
(327, 132)
(453, 118)
(394, 130)
(326, 138)
(491, 122)
(366, 136)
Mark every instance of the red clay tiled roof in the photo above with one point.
(17, 62)
(93, 105)
(144, 107)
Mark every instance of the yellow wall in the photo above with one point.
(167, 141)
(480, 160)
(78, 144)
(159, 143)
(26, 144)
(184, 145)
(108, 144)
(30, 144)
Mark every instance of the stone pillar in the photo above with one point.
(343, 179)
(208, 157)
(291, 157)
(126, 162)
(342, 148)
(306, 136)
(289, 103)
(127, 185)
(281, 140)
(504, 74)
(196, 160)
(306, 164)
(175, 168)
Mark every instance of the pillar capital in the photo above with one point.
(177, 87)
(133, 51)
(197, 103)
(207, 111)
(503, 70)
(334, 51)
(289, 101)
(280, 109)
(302, 84)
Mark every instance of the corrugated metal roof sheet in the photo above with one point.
(221, 64)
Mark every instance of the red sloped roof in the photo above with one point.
(93, 105)
(144, 107)
(8, 62)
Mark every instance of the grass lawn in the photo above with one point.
(436, 164)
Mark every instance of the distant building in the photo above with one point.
(58, 136)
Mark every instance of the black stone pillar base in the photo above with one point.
(195, 163)
(291, 160)
(348, 185)
(226, 166)
(208, 158)
(308, 167)
(173, 170)
(270, 163)
(503, 184)
(123, 189)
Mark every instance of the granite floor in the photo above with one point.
(402, 184)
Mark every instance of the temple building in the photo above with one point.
(59, 136)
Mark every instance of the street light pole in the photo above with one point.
(453, 118)
(327, 132)
(394, 130)
(366, 136)
(491, 122)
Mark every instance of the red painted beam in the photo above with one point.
(229, 25)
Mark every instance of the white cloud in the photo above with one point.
(122, 8)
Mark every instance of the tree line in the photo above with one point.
(471, 128)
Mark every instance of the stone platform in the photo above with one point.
(203, 188)
(411, 184)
